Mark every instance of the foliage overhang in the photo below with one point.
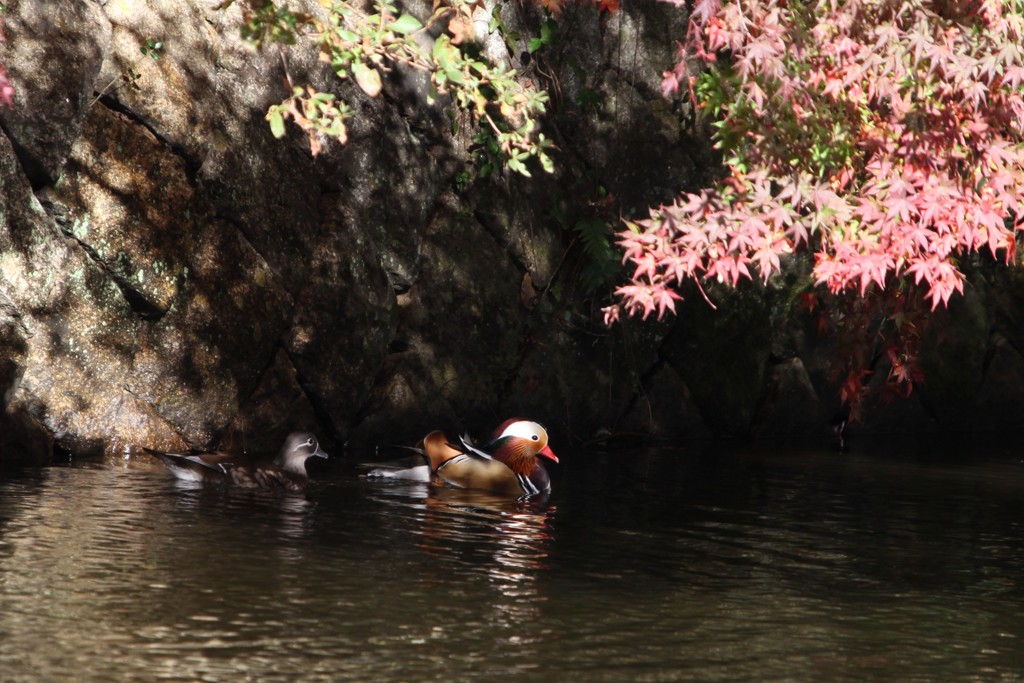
(365, 46)
(884, 135)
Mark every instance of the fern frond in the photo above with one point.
(595, 236)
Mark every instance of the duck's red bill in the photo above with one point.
(548, 453)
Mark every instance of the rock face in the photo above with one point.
(171, 275)
(158, 241)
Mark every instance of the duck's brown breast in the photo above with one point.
(477, 473)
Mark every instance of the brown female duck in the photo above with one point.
(287, 471)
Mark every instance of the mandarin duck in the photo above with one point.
(287, 471)
(508, 464)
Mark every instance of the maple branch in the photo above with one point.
(704, 294)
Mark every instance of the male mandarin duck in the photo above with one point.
(287, 471)
(507, 464)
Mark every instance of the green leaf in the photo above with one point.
(276, 123)
(546, 163)
(454, 75)
(548, 30)
(367, 78)
(534, 45)
(405, 24)
(448, 59)
(442, 48)
(519, 167)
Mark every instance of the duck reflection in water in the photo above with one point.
(503, 540)
(289, 515)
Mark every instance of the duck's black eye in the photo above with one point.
(310, 442)
(535, 437)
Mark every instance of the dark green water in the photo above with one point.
(706, 564)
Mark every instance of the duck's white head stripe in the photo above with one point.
(524, 429)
